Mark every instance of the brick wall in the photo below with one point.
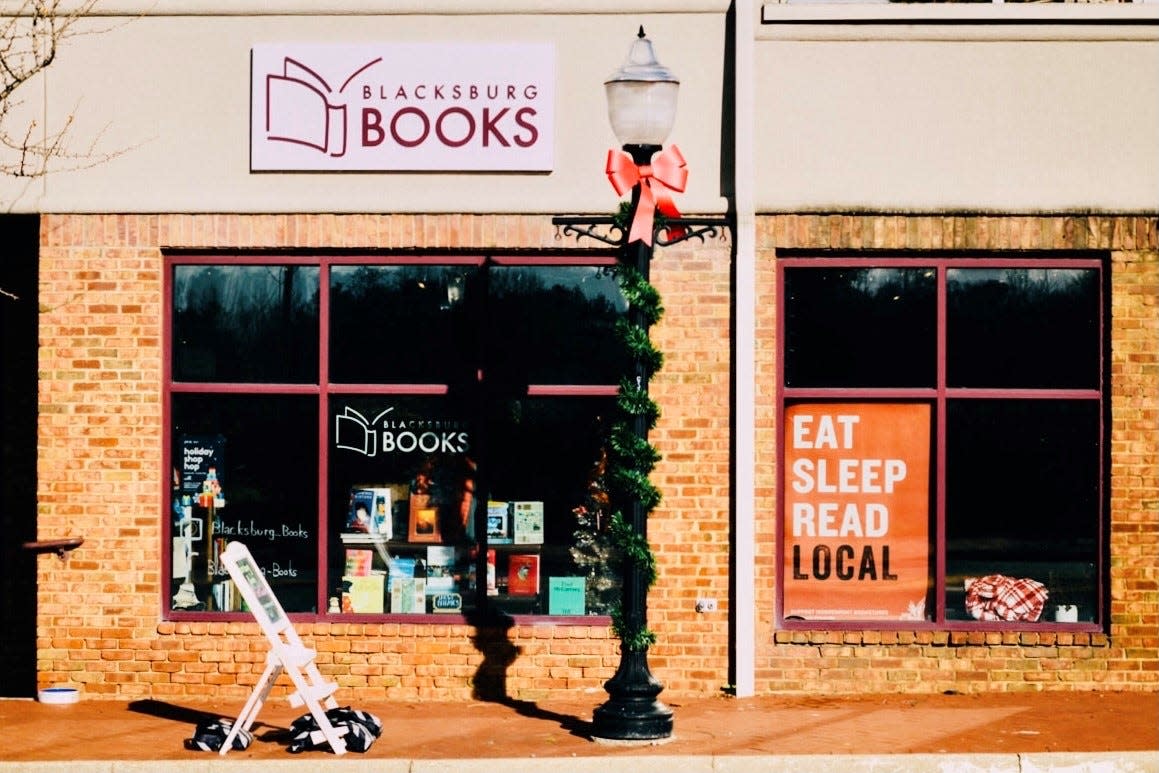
(932, 661)
(99, 476)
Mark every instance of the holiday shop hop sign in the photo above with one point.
(402, 107)
(856, 511)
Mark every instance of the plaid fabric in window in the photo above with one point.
(1006, 599)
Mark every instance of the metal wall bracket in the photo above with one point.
(610, 230)
(59, 546)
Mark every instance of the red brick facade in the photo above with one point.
(100, 449)
(929, 661)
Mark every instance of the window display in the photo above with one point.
(942, 441)
(421, 471)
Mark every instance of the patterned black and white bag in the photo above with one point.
(358, 729)
(210, 735)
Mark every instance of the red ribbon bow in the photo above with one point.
(667, 171)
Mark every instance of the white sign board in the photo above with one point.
(402, 107)
(287, 653)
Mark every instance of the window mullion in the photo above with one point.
(939, 482)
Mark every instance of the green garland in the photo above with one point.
(630, 456)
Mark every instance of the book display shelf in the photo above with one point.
(397, 559)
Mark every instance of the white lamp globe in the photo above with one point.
(642, 97)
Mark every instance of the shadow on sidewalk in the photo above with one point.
(492, 639)
(195, 717)
(163, 710)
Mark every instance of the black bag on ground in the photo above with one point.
(210, 735)
(357, 728)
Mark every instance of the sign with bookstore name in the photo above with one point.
(385, 434)
(402, 106)
(856, 515)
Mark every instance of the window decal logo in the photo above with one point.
(353, 432)
(383, 435)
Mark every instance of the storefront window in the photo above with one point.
(443, 461)
(245, 323)
(942, 441)
(860, 327)
(244, 469)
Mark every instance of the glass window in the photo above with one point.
(1022, 488)
(402, 493)
(245, 323)
(244, 468)
(411, 324)
(446, 461)
(554, 325)
(859, 327)
(966, 491)
(1023, 328)
(543, 451)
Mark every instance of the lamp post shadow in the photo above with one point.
(492, 638)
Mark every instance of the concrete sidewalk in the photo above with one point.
(1015, 732)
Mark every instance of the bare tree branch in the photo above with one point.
(30, 37)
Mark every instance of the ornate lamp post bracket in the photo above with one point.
(611, 231)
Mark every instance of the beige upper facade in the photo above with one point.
(846, 107)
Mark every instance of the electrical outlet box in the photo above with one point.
(706, 605)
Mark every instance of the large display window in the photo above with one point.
(393, 437)
(942, 442)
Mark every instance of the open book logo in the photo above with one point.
(354, 432)
(302, 108)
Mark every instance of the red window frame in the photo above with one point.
(938, 396)
(324, 389)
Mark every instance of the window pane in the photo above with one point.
(1022, 488)
(402, 324)
(402, 503)
(547, 450)
(554, 325)
(860, 327)
(256, 324)
(244, 468)
(1023, 328)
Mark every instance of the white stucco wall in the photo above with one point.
(884, 107)
(168, 92)
(1006, 108)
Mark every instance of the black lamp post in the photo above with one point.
(642, 109)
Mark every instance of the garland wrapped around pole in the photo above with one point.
(633, 711)
(631, 457)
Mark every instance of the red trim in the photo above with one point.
(166, 492)
(940, 394)
(572, 390)
(321, 590)
(324, 389)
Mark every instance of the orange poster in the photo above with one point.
(856, 518)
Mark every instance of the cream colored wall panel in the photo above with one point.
(171, 95)
(932, 125)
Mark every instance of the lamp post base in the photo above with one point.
(632, 712)
(645, 721)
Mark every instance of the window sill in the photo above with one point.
(1045, 634)
(386, 618)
